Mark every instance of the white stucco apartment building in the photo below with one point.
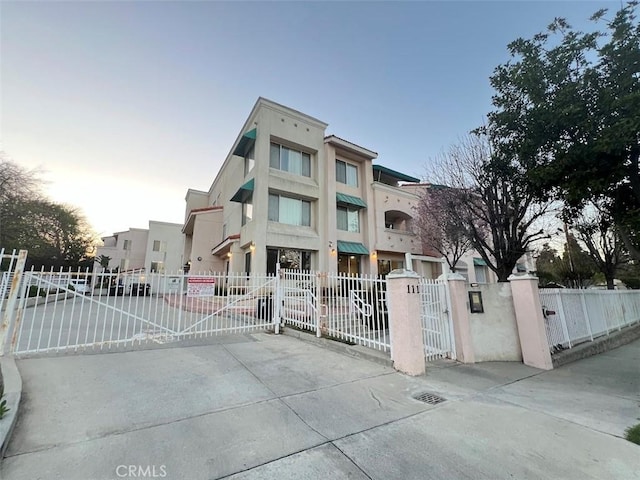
(287, 192)
(159, 248)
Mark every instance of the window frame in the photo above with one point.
(344, 178)
(247, 213)
(348, 212)
(275, 204)
(286, 165)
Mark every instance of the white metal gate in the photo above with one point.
(63, 311)
(349, 308)
(437, 328)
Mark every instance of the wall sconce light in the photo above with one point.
(229, 254)
(252, 247)
(332, 250)
(374, 254)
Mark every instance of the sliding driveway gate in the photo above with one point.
(73, 311)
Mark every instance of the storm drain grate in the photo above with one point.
(430, 398)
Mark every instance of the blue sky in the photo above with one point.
(126, 105)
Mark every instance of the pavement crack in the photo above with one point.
(373, 395)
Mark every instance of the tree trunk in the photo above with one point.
(610, 283)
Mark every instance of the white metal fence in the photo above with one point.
(574, 316)
(57, 311)
(60, 311)
(8, 261)
(437, 328)
(345, 307)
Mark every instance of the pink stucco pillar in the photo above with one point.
(460, 317)
(405, 322)
(531, 328)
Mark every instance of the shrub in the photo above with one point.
(34, 291)
(3, 404)
(633, 434)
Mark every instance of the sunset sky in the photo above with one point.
(126, 105)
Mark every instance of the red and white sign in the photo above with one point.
(201, 286)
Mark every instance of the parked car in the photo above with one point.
(80, 285)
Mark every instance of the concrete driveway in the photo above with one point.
(265, 406)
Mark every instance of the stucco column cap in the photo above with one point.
(402, 273)
(524, 276)
(451, 276)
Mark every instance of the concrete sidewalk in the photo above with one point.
(265, 406)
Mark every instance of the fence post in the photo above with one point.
(9, 313)
(460, 316)
(405, 321)
(277, 299)
(530, 321)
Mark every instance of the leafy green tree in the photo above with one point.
(547, 263)
(55, 235)
(597, 231)
(567, 108)
(574, 268)
(103, 261)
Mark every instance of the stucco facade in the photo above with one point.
(159, 248)
(289, 193)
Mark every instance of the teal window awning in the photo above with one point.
(344, 199)
(379, 170)
(245, 143)
(478, 262)
(244, 192)
(354, 248)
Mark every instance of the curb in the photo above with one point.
(599, 345)
(13, 393)
(355, 351)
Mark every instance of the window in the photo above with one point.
(385, 266)
(126, 245)
(289, 160)
(481, 273)
(291, 211)
(249, 160)
(124, 264)
(157, 267)
(346, 173)
(288, 258)
(159, 246)
(247, 210)
(247, 263)
(348, 219)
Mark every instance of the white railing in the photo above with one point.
(354, 309)
(349, 308)
(574, 316)
(74, 310)
(299, 300)
(437, 328)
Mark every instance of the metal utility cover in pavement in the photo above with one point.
(430, 398)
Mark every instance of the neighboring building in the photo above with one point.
(156, 249)
(288, 193)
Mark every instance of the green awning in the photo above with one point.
(243, 192)
(380, 170)
(478, 262)
(355, 248)
(245, 143)
(344, 199)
